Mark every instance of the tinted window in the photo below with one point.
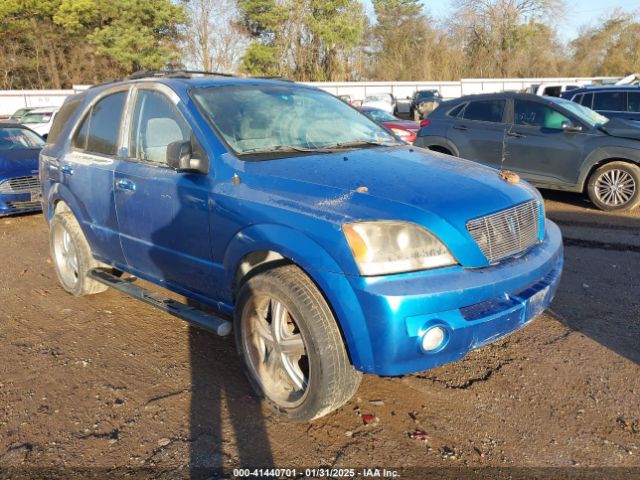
(105, 124)
(456, 111)
(634, 102)
(587, 100)
(535, 114)
(486, 111)
(613, 101)
(80, 140)
(61, 120)
(156, 124)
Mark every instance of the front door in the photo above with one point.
(163, 215)
(539, 148)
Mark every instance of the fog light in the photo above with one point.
(433, 339)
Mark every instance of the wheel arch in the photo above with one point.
(602, 157)
(262, 247)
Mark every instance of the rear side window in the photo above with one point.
(634, 102)
(485, 111)
(611, 101)
(456, 111)
(100, 128)
(61, 119)
(587, 100)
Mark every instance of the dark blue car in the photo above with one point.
(612, 101)
(19, 184)
(336, 248)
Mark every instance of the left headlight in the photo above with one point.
(385, 247)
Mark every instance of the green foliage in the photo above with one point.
(55, 43)
(260, 59)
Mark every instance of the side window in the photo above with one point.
(156, 124)
(611, 101)
(633, 102)
(456, 111)
(485, 111)
(534, 114)
(587, 100)
(67, 110)
(100, 128)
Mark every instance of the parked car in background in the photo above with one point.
(20, 113)
(423, 103)
(552, 142)
(336, 248)
(19, 183)
(621, 101)
(382, 101)
(405, 129)
(40, 120)
(552, 90)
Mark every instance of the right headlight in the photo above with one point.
(385, 247)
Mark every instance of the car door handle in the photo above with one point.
(67, 170)
(125, 184)
(460, 127)
(515, 134)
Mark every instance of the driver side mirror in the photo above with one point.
(182, 156)
(571, 128)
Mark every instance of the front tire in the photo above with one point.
(72, 257)
(292, 349)
(615, 186)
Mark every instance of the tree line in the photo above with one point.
(58, 43)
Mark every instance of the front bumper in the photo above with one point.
(14, 203)
(475, 307)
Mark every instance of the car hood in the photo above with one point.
(618, 127)
(19, 162)
(402, 180)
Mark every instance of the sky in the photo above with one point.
(578, 12)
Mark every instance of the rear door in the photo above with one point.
(539, 148)
(478, 131)
(87, 172)
(611, 103)
(633, 106)
(163, 215)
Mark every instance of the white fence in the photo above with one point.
(12, 100)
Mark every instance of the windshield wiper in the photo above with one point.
(285, 148)
(358, 143)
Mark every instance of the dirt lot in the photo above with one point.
(106, 383)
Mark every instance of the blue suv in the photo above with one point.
(330, 246)
(612, 101)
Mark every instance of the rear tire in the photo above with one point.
(292, 349)
(615, 186)
(72, 257)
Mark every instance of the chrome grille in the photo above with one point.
(507, 232)
(20, 185)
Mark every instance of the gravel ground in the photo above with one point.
(107, 384)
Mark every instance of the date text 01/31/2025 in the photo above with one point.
(316, 472)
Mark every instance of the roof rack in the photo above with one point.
(174, 74)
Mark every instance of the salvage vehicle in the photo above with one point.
(551, 142)
(423, 103)
(382, 101)
(405, 129)
(40, 120)
(621, 101)
(19, 183)
(327, 246)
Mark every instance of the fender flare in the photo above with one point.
(320, 266)
(606, 154)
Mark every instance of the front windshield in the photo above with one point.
(15, 138)
(379, 115)
(427, 94)
(588, 116)
(41, 117)
(272, 118)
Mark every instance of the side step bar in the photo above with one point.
(196, 317)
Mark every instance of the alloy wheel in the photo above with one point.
(615, 187)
